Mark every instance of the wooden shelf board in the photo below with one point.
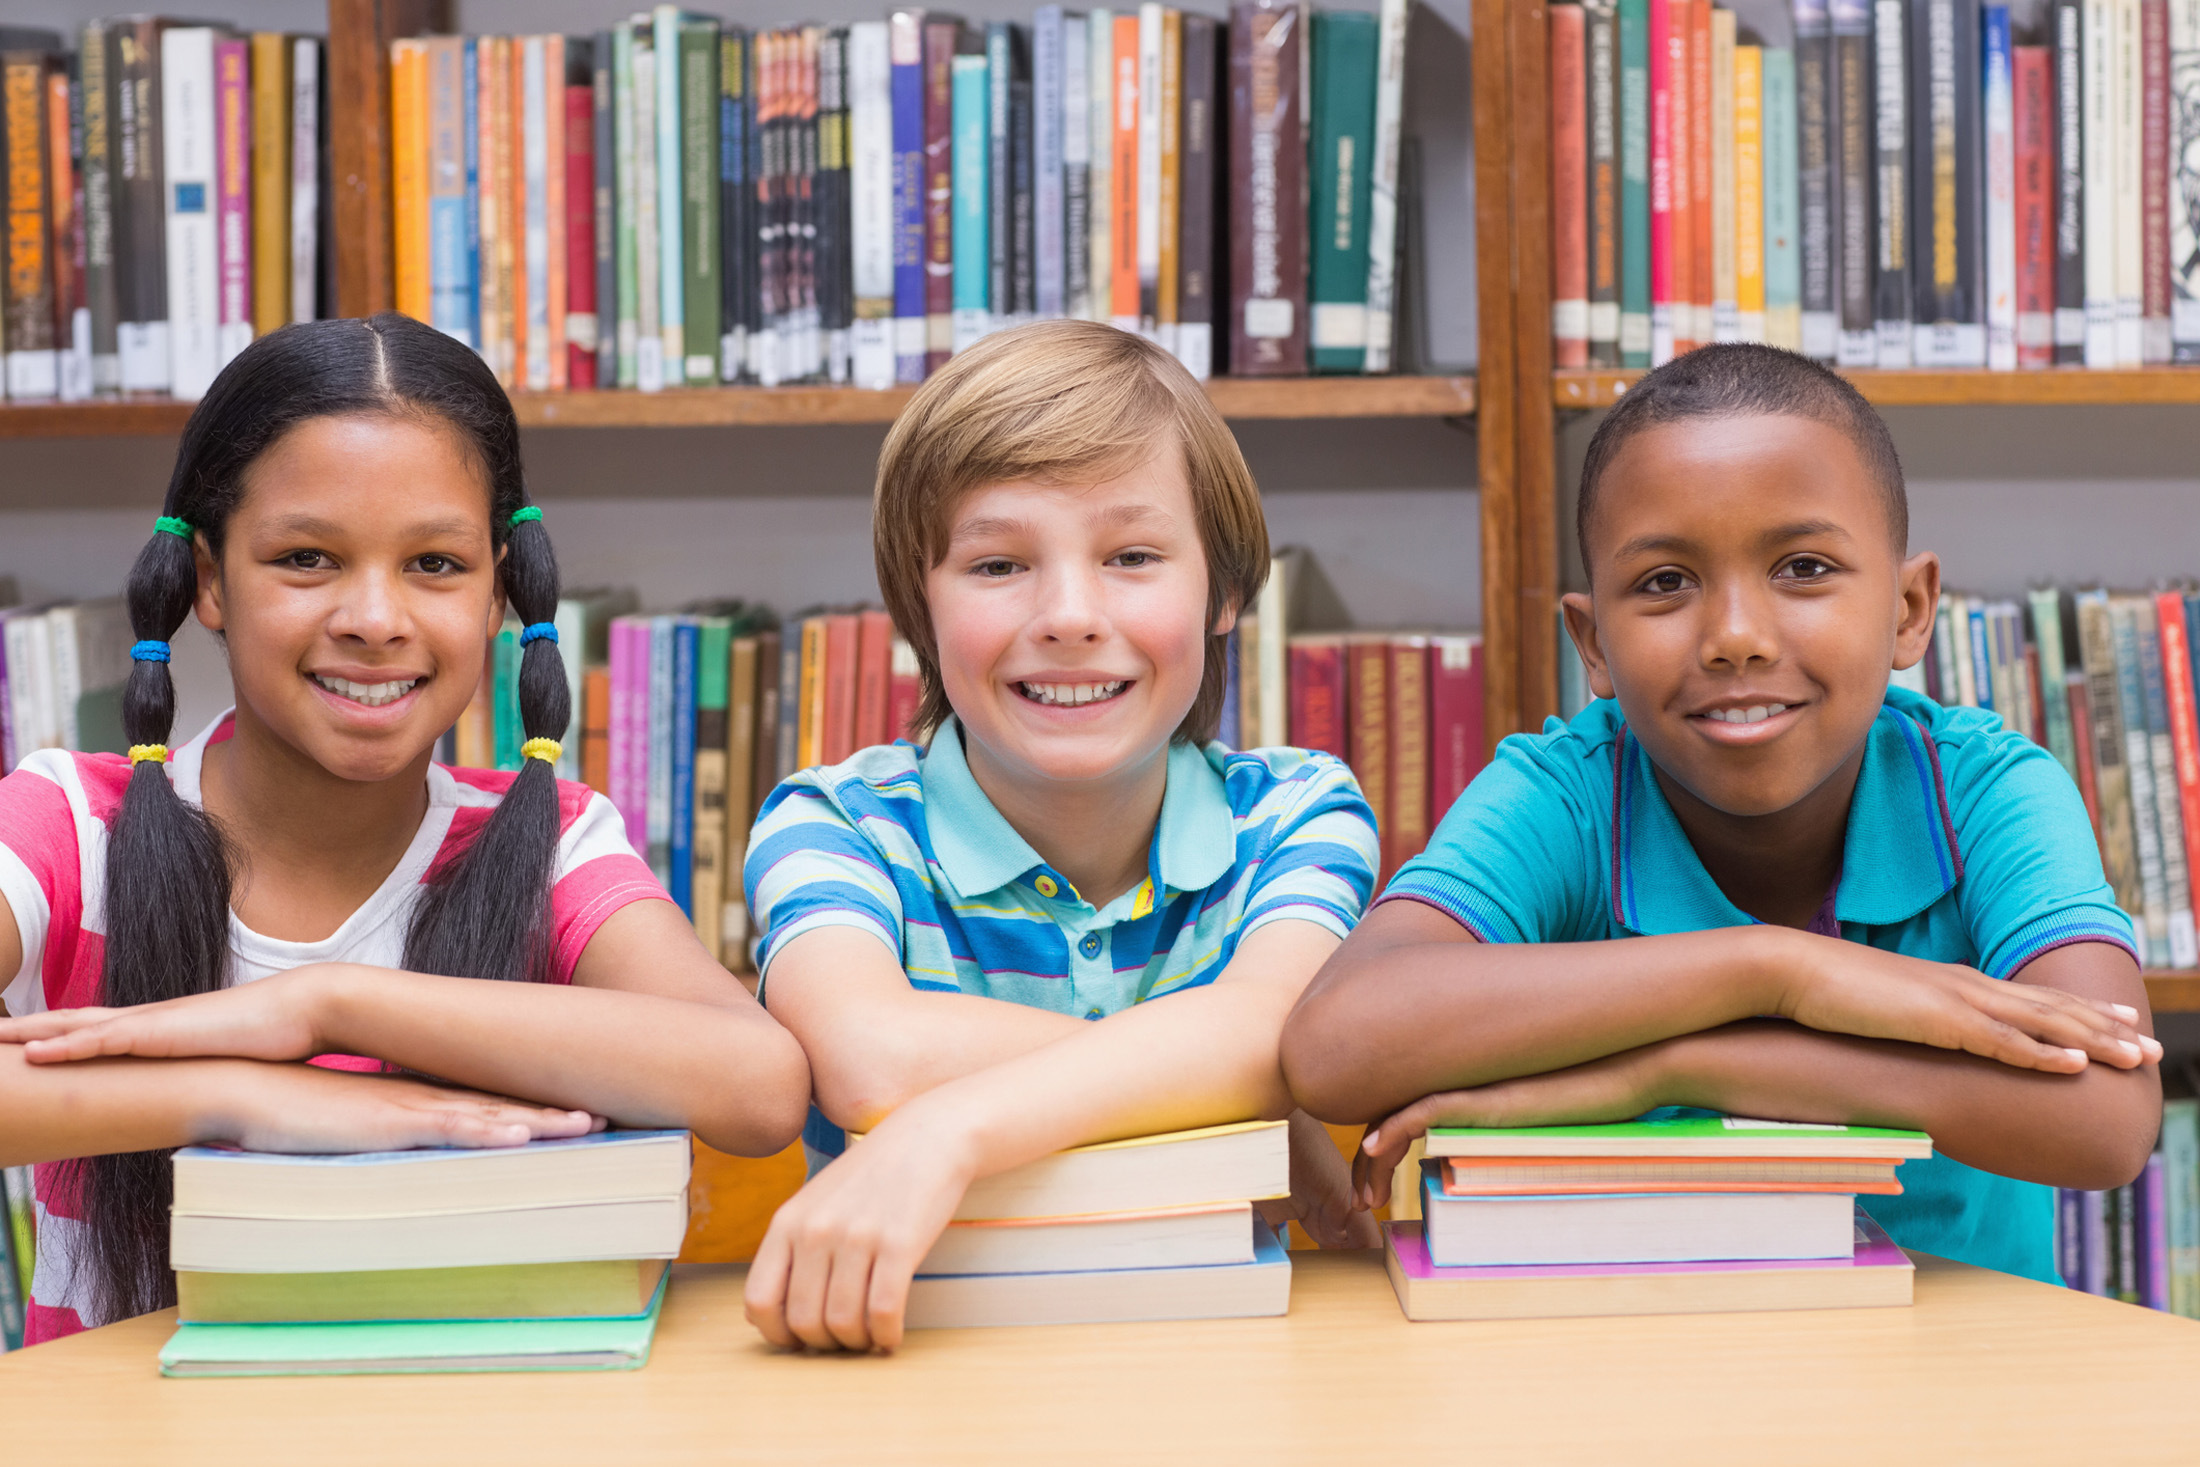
(716, 407)
(1600, 387)
(2173, 993)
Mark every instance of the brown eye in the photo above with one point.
(1665, 583)
(437, 565)
(305, 560)
(1807, 568)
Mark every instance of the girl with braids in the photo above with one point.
(225, 942)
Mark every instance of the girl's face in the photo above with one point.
(1072, 622)
(357, 589)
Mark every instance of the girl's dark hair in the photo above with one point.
(1740, 380)
(484, 914)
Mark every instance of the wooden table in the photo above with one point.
(1984, 1368)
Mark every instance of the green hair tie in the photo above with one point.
(170, 525)
(522, 516)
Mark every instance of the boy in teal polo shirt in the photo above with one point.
(1839, 903)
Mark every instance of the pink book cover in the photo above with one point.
(1455, 720)
(1661, 168)
(1874, 1249)
(630, 726)
(233, 191)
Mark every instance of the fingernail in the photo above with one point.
(2153, 1046)
(2128, 1047)
(1371, 1142)
(2077, 1054)
(2125, 1009)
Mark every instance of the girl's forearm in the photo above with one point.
(727, 1073)
(2090, 1130)
(99, 1106)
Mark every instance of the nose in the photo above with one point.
(1073, 606)
(370, 608)
(1740, 628)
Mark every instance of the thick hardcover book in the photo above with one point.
(409, 247)
(194, 268)
(1891, 195)
(1268, 335)
(27, 291)
(1749, 193)
(1076, 125)
(2067, 43)
(1814, 121)
(1124, 177)
(271, 89)
(1665, 326)
(2033, 127)
(971, 247)
(1367, 668)
(2184, 185)
(1601, 185)
(842, 644)
(1633, 27)
(707, 844)
(1318, 696)
(943, 37)
(2154, 181)
(1343, 126)
(1405, 826)
(1000, 191)
(233, 197)
(1997, 109)
(1197, 173)
(871, 204)
(2099, 127)
(1569, 100)
(580, 214)
(141, 229)
(2111, 777)
(1048, 262)
(905, 50)
(97, 98)
(1948, 238)
(1455, 719)
(1854, 194)
(1382, 212)
(700, 104)
(1726, 321)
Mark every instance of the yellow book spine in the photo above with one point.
(810, 714)
(409, 173)
(1172, 90)
(270, 181)
(1749, 192)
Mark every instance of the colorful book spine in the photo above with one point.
(1814, 121)
(2163, 769)
(972, 249)
(1633, 27)
(1998, 108)
(1749, 194)
(871, 161)
(270, 195)
(1382, 212)
(1569, 207)
(2155, 169)
(671, 245)
(1664, 327)
(194, 264)
(659, 744)
(1268, 327)
(1891, 127)
(1347, 48)
(680, 734)
(1855, 193)
(942, 39)
(2183, 201)
(1198, 171)
(1601, 184)
(2032, 77)
(906, 80)
(701, 285)
(1783, 204)
(581, 341)
(1123, 233)
(450, 269)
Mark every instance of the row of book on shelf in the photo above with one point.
(2141, 1243)
(680, 199)
(1877, 183)
(167, 200)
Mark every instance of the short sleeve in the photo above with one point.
(1515, 859)
(39, 872)
(598, 873)
(809, 866)
(2032, 877)
(1322, 852)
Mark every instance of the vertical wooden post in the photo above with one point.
(359, 36)
(1495, 426)
(1536, 450)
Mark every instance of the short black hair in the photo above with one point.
(1743, 380)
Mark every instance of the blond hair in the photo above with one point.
(1059, 402)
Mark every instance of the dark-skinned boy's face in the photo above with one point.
(1747, 603)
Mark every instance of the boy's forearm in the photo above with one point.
(878, 1057)
(2090, 1130)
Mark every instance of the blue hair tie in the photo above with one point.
(149, 652)
(538, 632)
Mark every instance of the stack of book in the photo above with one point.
(550, 1256)
(1937, 183)
(1158, 1227)
(1664, 1215)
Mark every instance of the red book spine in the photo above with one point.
(1123, 308)
(2154, 179)
(2038, 731)
(1661, 181)
(554, 208)
(1368, 666)
(1681, 211)
(903, 691)
(2184, 730)
(837, 740)
(1267, 191)
(940, 38)
(580, 236)
(2034, 99)
(2081, 743)
(233, 183)
(1406, 831)
(874, 671)
(1317, 701)
(1569, 187)
(1699, 167)
(1455, 720)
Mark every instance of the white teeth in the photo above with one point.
(373, 695)
(1757, 714)
(1070, 695)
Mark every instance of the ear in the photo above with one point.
(207, 603)
(496, 597)
(1581, 625)
(1920, 603)
(1225, 620)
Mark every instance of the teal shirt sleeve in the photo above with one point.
(1517, 857)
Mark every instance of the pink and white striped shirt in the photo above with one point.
(54, 813)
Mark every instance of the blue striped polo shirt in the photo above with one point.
(1966, 843)
(901, 842)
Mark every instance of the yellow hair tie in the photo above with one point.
(547, 750)
(139, 753)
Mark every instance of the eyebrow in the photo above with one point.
(1114, 514)
(315, 526)
(1778, 535)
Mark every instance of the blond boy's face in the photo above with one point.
(1071, 622)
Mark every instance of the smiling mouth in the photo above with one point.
(1757, 713)
(370, 695)
(1071, 695)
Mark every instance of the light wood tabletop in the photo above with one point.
(1982, 1368)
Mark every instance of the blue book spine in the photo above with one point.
(659, 805)
(736, 234)
(469, 86)
(11, 1292)
(671, 262)
(905, 43)
(972, 218)
(1229, 719)
(681, 853)
(1046, 145)
(1982, 658)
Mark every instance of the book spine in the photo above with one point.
(308, 196)
(27, 288)
(2032, 74)
(1455, 720)
(1195, 295)
(766, 772)
(2139, 772)
(1702, 246)
(669, 118)
(906, 96)
(973, 222)
(487, 208)
(1049, 263)
(1783, 204)
(2111, 778)
(628, 768)
(2081, 746)
(1145, 241)
(142, 330)
(2046, 605)
(1076, 128)
(1949, 310)
(2183, 188)
(2184, 952)
(556, 266)
(1267, 251)
(409, 178)
(1665, 326)
(581, 340)
(1169, 198)
(1569, 99)
(1814, 120)
(1123, 145)
(736, 229)
(741, 794)
(1343, 123)
(680, 729)
(650, 366)
(271, 88)
(1317, 701)
(1100, 221)
(873, 679)
(1382, 208)
(843, 647)
(659, 713)
(770, 170)
(533, 365)
(2184, 727)
(787, 731)
(1726, 318)
(450, 286)
(1632, 24)
(871, 204)
(1851, 136)
(604, 202)
(65, 178)
(194, 268)
(941, 39)
(836, 259)
(469, 93)
(95, 102)
(1406, 831)
(997, 161)
(233, 195)
(2125, 162)
(809, 713)
(1368, 721)
(2154, 182)
(1998, 114)
(701, 287)
(903, 689)
(2067, 42)
(1600, 184)
(1891, 255)
(2154, 1258)
(2098, 129)
(1749, 193)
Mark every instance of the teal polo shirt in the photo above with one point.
(1967, 843)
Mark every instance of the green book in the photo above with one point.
(1678, 1136)
(1634, 182)
(699, 193)
(447, 1347)
(504, 703)
(1341, 155)
(2181, 1155)
(622, 135)
(2046, 603)
(671, 264)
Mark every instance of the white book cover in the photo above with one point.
(2100, 198)
(1100, 69)
(535, 228)
(187, 157)
(871, 201)
(305, 178)
(2184, 180)
(2129, 101)
(649, 342)
(1999, 106)
(1382, 214)
(1047, 202)
(671, 264)
(1149, 166)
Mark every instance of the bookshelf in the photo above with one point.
(1574, 389)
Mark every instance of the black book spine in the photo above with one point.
(767, 169)
(1023, 273)
(1814, 175)
(141, 277)
(1853, 158)
(1000, 183)
(605, 185)
(324, 195)
(835, 283)
(2068, 39)
(98, 102)
(1198, 177)
(1891, 258)
(1947, 249)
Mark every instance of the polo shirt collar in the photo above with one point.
(979, 851)
(1898, 857)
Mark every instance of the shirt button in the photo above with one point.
(1094, 1014)
(1046, 886)
(1090, 947)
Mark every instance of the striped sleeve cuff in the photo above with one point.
(812, 921)
(2059, 929)
(1456, 900)
(1298, 909)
